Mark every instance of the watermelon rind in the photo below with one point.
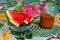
(14, 23)
(7, 13)
(27, 21)
(9, 23)
(9, 18)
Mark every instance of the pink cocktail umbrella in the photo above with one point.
(30, 10)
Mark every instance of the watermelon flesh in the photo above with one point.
(16, 18)
(30, 10)
(28, 19)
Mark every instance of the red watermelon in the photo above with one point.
(16, 18)
(28, 19)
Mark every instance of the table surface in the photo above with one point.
(38, 32)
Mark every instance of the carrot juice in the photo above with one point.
(46, 20)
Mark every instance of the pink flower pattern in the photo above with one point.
(30, 10)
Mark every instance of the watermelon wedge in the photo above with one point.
(16, 18)
(28, 19)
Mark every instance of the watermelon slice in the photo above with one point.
(28, 19)
(30, 10)
(16, 18)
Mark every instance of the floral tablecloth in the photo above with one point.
(38, 32)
